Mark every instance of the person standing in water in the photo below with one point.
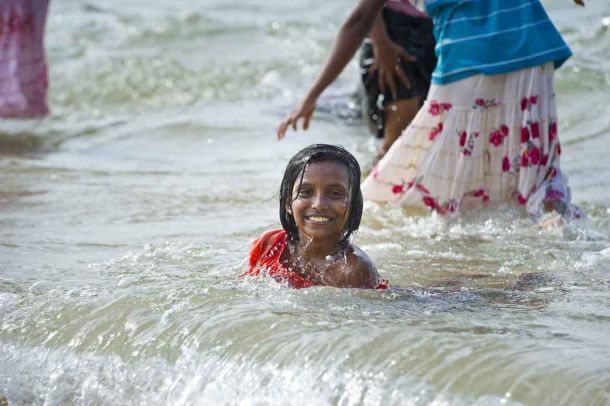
(488, 129)
(396, 64)
(23, 68)
(320, 208)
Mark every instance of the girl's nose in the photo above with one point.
(319, 201)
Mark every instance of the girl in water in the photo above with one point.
(320, 208)
(488, 129)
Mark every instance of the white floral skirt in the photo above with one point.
(479, 140)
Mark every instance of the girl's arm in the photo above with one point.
(349, 39)
(387, 58)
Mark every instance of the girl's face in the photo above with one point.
(320, 206)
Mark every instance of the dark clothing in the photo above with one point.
(415, 35)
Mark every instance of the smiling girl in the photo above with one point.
(320, 208)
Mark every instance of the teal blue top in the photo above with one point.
(492, 37)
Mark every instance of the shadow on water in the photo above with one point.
(23, 143)
(34, 139)
(531, 291)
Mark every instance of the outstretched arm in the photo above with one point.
(349, 39)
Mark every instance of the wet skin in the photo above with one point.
(320, 208)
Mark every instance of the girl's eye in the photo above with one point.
(305, 192)
(337, 194)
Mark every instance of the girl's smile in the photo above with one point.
(320, 200)
(318, 219)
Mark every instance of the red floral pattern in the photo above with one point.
(430, 202)
(497, 136)
(524, 160)
(534, 155)
(525, 135)
(552, 131)
(535, 129)
(482, 104)
(435, 108)
(463, 136)
(505, 164)
(480, 194)
(528, 102)
(421, 188)
(537, 153)
(467, 141)
(504, 130)
(435, 131)
(554, 195)
(398, 189)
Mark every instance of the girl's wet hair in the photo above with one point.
(296, 168)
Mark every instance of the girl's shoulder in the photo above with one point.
(358, 269)
(357, 258)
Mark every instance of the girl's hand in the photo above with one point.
(304, 111)
(388, 60)
(351, 34)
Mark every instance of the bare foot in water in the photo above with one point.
(550, 220)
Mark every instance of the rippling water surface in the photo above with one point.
(126, 215)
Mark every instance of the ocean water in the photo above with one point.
(127, 214)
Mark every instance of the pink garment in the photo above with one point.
(23, 69)
(406, 7)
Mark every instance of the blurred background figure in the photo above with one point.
(396, 63)
(23, 68)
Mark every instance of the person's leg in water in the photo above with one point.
(397, 116)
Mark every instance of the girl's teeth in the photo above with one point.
(319, 219)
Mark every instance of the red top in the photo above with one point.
(265, 254)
